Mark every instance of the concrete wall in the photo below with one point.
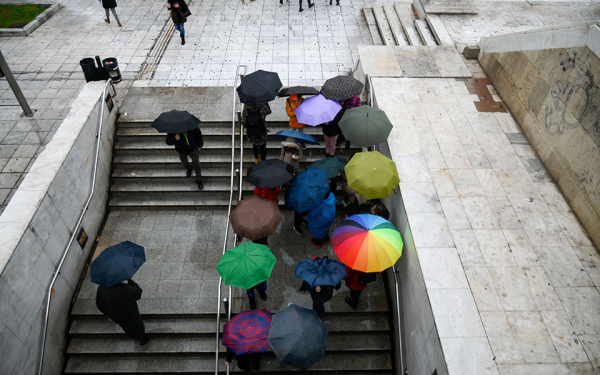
(36, 227)
(554, 94)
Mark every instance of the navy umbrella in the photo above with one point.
(304, 138)
(320, 271)
(117, 263)
(259, 87)
(270, 173)
(175, 122)
(297, 336)
(307, 190)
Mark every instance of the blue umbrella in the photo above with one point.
(297, 336)
(307, 138)
(321, 217)
(307, 190)
(320, 271)
(117, 263)
(333, 165)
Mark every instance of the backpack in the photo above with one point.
(255, 124)
(367, 278)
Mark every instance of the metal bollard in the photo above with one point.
(226, 303)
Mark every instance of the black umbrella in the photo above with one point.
(175, 122)
(298, 90)
(259, 87)
(270, 173)
(342, 88)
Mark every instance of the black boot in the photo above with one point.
(200, 184)
(182, 40)
(310, 5)
(301, 10)
(263, 295)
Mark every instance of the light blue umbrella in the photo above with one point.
(304, 138)
(317, 110)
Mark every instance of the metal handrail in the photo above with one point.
(217, 341)
(66, 250)
(394, 268)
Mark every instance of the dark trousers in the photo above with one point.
(354, 296)
(260, 150)
(260, 288)
(134, 327)
(321, 241)
(309, 4)
(299, 218)
(194, 155)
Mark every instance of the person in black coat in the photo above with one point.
(188, 143)
(319, 295)
(119, 303)
(179, 13)
(110, 4)
(331, 131)
(245, 361)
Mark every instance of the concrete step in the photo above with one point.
(147, 131)
(395, 25)
(372, 24)
(425, 33)
(222, 145)
(383, 25)
(169, 201)
(167, 172)
(439, 31)
(406, 15)
(174, 185)
(332, 363)
(94, 326)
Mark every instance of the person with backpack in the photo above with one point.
(179, 13)
(357, 281)
(188, 143)
(253, 119)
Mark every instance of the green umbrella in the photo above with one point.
(372, 175)
(333, 166)
(246, 265)
(365, 126)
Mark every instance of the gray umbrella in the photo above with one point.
(342, 88)
(297, 336)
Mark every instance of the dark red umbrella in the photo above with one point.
(247, 332)
(255, 218)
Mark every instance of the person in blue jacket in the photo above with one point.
(320, 219)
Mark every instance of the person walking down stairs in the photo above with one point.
(110, 4)
(186, 144)
(179, 13)
(291, 153)
(253, 119)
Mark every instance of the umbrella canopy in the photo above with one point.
(175, 122)
(367, 243)
(298, 90)
(321, 217)
(270, 173)
(333, 166)
(247, 332)
(304, 138)
(366, 126)
(307, 190)
(255, 218)
(259, 87)
(246, 265)
(117, 263)
(372, 175)
(297, 336)
(317, 110)
(342, 88)
(320, 271)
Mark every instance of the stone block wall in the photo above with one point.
(554, 94)
(37, 225)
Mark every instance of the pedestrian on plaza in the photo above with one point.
(331, 131)
(357, 281)
(320, 220)
(254, 120)
(188, 143)
(260, 288)
(337, 2)
(381, 210)
(270, 193)
(291, 104)
(245, 361)
(110, 4)
(179, 13)
(346, 105)
(119, 303)
(291, 153)
(310, 5)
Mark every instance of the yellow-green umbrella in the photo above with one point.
(372, 175)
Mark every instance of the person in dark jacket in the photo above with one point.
(261, 288)
(119, 303)
(245, 361)
(379, 209)
(254, 120)
(331, 131)
(188, 143)
(110, 4)
(353, 282)
(179, 10)
(319, 295)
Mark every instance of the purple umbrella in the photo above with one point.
(317, 110)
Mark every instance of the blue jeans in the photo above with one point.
(179, 26)
(260, 288)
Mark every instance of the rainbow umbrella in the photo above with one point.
(367, 243)
(247, 332)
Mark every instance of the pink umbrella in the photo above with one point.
(317, 110)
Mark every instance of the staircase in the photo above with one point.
(395, 24)
(147, 172)
(184, 342)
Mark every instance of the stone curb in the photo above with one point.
(31, 26)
